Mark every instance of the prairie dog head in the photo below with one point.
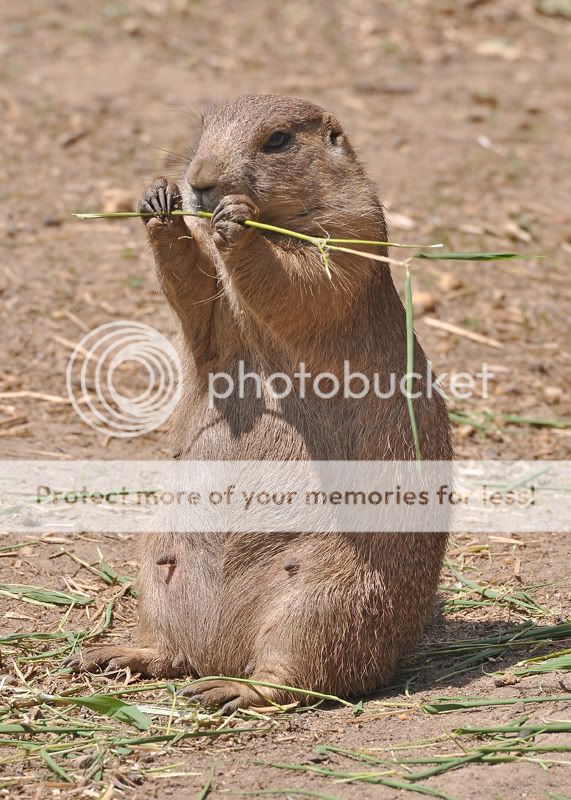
(292, 158)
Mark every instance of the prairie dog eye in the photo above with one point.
(277, 141)
(336, 137)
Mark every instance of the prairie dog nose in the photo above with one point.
(203, 174)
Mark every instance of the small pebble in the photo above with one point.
(552, 394)
(449, 281)
(423, 301)
(115, 200)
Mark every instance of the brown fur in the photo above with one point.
(328, 612)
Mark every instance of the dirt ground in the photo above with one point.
(460, 110)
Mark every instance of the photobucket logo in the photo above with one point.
(350, 385)
(124, 379)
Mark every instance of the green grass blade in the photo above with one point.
(287, 792)
(438, 256)
(375, 242)
(358, 777)
(171, 737)
(54, 766)
(444, 705)
(205, 790)
(549, 664)
(108, 706)
(22, 637)
(293, 689)
(410, 362)
(48, 597)
(524, 727)
(517, 600)
(515, 419)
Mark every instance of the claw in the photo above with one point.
(72, 661)
(186, 692)
(229, 216)
(171, 201)
(197, 699)
(179, 661)
(159, 200)
(230, 708)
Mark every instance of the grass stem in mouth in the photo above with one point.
(250, 223)
(318, 241)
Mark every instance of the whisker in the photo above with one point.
(209, 299)
(181, 157)
(206, 274)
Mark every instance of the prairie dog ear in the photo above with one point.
(333, 130)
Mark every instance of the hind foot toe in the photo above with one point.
(230, 695)
(143, 661)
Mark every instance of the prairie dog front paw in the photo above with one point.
(228, 218)
(159, 199)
